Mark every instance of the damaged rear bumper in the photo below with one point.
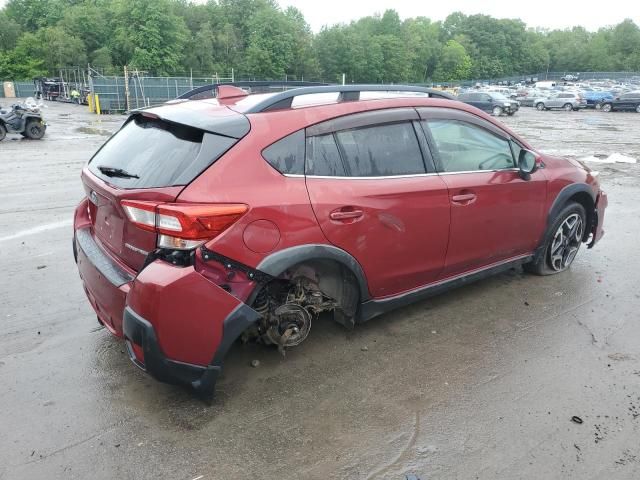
(146, 353)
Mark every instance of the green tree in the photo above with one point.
(101, 59)
(270, 48)
(625, 45)
(9, 32)
(33, 14)
(89, 22)
(421, 37)
(148, 36)
(52, 48)
(454, 63)
(203, 49)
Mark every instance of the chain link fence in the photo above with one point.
(115, 93)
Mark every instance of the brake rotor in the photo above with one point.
(292, 327)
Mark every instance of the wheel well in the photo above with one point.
(335, 280)
(584, 199)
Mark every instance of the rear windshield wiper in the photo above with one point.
(116, 172)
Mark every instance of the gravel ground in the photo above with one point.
(481, 382)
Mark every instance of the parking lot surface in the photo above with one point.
(481, 382)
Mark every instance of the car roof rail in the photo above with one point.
(249, 84)
(348, 93)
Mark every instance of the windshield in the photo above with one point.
(499, 96)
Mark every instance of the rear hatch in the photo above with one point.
(155, 154)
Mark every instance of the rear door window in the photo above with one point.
(151, 153)
(381, 150)
(323, 157)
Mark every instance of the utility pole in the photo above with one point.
(126, 89)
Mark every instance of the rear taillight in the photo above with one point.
(183, 226)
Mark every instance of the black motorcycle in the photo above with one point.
(22, 118)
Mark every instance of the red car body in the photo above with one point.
(394, 239)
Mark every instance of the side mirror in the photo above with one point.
(527, 163)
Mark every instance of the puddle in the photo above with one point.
(94, 131)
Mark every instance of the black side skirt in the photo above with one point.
(374, 308)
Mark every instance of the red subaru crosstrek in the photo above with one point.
(249, 215)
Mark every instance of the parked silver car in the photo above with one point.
(565, 100)
(528, 98)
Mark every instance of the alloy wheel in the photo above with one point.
(566, 242)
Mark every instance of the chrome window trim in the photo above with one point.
(391, 177)
(482, 171)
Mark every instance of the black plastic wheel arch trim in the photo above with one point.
(564, 195)
(253, 274)
(278, 262)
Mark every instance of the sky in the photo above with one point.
(535, 13)
(591, 14)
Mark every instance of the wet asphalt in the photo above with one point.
(481, 382)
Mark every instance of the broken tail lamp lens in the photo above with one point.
(183, 226)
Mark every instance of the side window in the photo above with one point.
(516, 149)
(323, 157)
(465, 147)
(287, 154)
(381, 150)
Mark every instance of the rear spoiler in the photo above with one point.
(200, 115)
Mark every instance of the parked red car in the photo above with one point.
(252, 214)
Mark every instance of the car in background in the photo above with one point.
(567, 101)
(527, 98)
(595, 99)
(627, 101)
(490, 102)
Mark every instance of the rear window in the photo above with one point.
(287, 154)
(152, 153)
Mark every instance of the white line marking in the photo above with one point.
(40, 228)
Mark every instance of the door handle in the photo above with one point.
(341, 214)
(464, 199)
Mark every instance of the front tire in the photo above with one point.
(497, 111)
(540, 106)
(34, 129)
(561, 241)
(606, 107)
(638, 108)
(3, 132)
